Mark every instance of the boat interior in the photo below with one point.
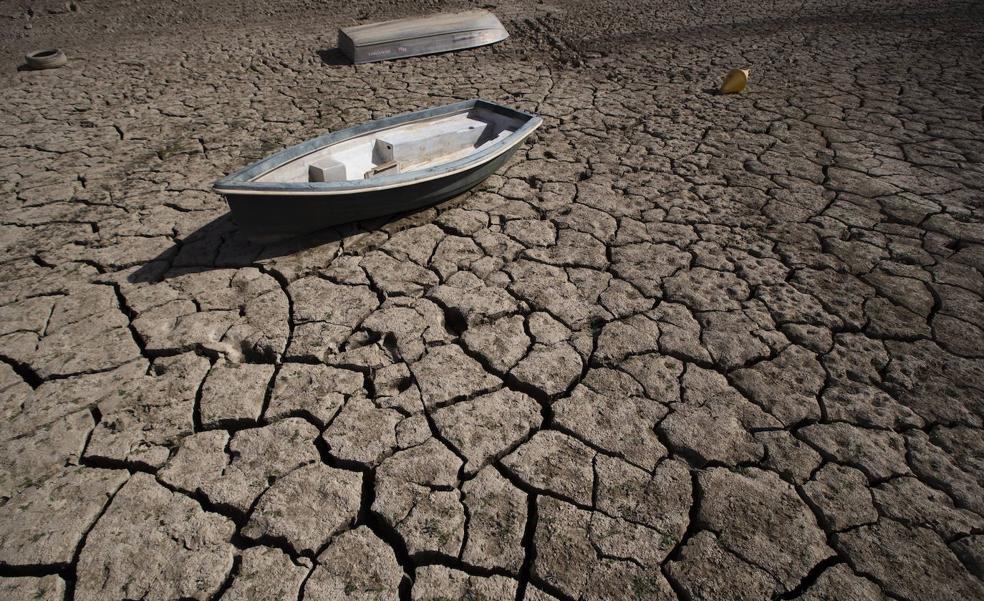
(402, 148)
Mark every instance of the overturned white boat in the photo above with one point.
(387, 166)
(420, 35)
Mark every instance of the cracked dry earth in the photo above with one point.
(683, 346)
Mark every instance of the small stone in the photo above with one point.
(233, 394)
(841, 496)
(357, 566)
(306, 507)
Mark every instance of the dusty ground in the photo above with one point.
(684, 347)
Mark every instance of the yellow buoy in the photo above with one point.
(735, 81)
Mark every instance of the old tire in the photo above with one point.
(51, 58)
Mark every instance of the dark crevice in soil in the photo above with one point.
(693, 527)
(130, 315)
(237, 562)
(26, 373)
(370, 519)
(811, 577)
(528, 546)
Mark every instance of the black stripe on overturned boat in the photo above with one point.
(277, 197)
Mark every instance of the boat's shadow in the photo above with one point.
(333, 57)
(219, 244)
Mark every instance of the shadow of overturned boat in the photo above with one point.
(333, 57)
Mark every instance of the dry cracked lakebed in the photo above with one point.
(682, 347)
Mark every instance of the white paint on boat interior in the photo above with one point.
(413, 146)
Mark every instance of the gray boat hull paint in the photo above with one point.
(266, 218)
(268, 211)
(403, 38)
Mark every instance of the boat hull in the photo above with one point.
(404, 38)
(269, 217)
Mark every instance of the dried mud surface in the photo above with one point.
(684, 346)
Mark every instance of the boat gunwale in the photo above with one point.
(241, 182)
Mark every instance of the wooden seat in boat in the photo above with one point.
(326, 170)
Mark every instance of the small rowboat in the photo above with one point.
(420, 35)
(392, 165)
